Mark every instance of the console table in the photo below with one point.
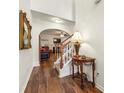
(79, 61)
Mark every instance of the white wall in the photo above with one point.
(39, 26)
(25, 56)
(59, 8)
(90, 23)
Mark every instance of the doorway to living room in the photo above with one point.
(49, 40)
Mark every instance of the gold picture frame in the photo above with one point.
(24, 31)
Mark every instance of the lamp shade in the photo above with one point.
(77, 37)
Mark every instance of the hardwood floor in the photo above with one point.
(44, 79)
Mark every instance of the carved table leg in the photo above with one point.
(93, 69)
(81, 68)
(78, 69)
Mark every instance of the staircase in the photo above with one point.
(63, 62)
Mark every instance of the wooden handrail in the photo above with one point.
(66, 43)
(62, 45)
(67, 38)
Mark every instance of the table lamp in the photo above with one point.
(77, 40)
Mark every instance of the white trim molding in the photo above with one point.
(27, 79)
(100, 87)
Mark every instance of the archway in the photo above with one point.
(47, 44)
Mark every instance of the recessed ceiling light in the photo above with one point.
(61, 35)
(57, 20)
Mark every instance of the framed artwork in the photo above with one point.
(24, 31)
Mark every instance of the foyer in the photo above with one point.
(62, 18)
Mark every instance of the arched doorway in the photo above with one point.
(47, 44)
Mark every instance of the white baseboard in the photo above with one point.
(28, 76)
(100, 87)
(26, 82)
(64, 75)
(36, 64)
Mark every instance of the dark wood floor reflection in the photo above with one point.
(44, 79)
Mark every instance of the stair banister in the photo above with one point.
(62, 46)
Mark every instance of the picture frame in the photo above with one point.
(24, 31)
